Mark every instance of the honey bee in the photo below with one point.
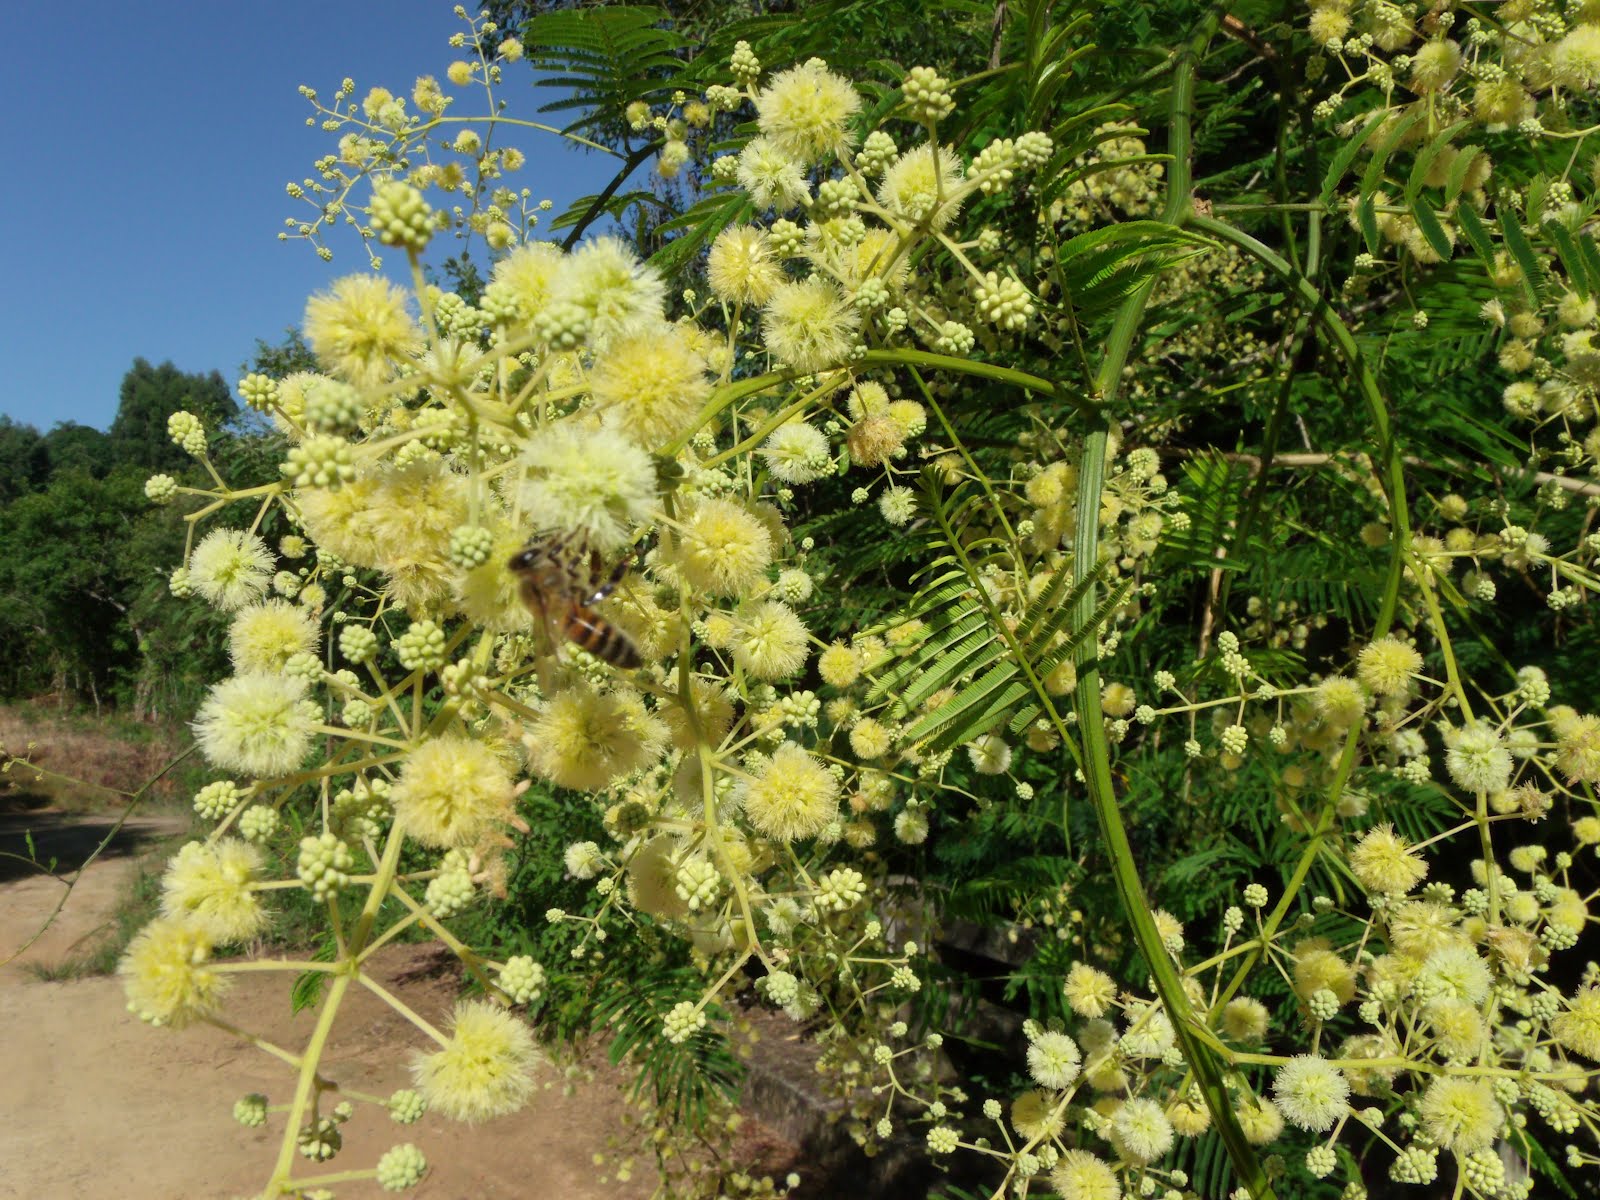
(560, 581)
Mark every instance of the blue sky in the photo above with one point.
(147, 148)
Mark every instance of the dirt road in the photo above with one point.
(101, 1107)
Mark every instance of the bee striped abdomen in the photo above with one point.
(586, 628)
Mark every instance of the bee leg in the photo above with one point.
(618, 573)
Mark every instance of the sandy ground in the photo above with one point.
(98, 1106)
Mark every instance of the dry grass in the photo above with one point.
(79, 762)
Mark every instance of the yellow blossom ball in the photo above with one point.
(924, 187)
(1081, 1175)
(724, 548)
(1117, 699)
(1339, 701)
(809, 324)
(165, 975)
(527, 276)
(209, 886)
(621, 295)
(713, 710)
(1317, 966)
(1385, 864)
(1501, 103)
(794, 797)
(650, 384)
(593, 482)
(1328, 23)
(771, 642)
(741, 267)
(839, 665)
(587, 740)
(1575, 61)
(653, 880)
(256, 724)
(1089, 990)
(805, 112)
(1387, 665)
(873, 440)
(1578, 1028)
(360, 330)
(486, 1068)
(1260, 1121)
(869, 739)
(1460, 1115)
(265, 636)
(452, 792)
(1036, 1116)
(1578, 749)
(1189, 1118)
(1434, 65)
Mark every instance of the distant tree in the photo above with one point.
(288, 356)
(150, 395)
(24, 459)
(73, 447)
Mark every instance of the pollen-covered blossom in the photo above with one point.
(796, 452)
(1141, 1131)
(898, 505)
(1339, 701)
(587, 740)
(839, 665)
(265, 636)
(771, 642)
(1245, 1019)
(1454, 972)
(1089, 990)
(809, 324)
(724, 549)
(255, 724)
(1385, 864)
(1311, 1092)
(990, 754)
(452, 791)
(1387, 665)
(1578, 749)
(1477, 759)
(230, 568)
(1575, 60)
(486, 1069)
(165, 975)
(1035, 1115)
(620, 294)
(1460, 1115)
(592, 481)
(805, 111)
(523, 282)
(1260, 1121)
(1054, 1060)
(742, 267)
(923, 186)
(794, 797)
(650, 383)
(208, 885)
(1082, 1175)
(773, 178)
(1578, 1028)
(360, 329)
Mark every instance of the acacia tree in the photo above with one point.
(1002, 390)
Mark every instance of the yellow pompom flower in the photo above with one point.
(809, 324)
(1387, 665)
(771, 642)
(1089, 991)
(452, 791)
(486, 1069)
(1578, 1028)
(1339, 701)
(1434, 64)
(794, 797)
(1244, 1019)
(594, 482)
(1035, 1116)
(1140, 1131)
(230, 568)
(209, 887)
(1080, 1175)
(360, 329)
(650, 383)
(1578, 749)
(1460, 1115)
(528, 276)
(725, 549)
(805, 112)
(1575, 60)
(869, 739)
(265, 636)
(773, 178)
(587, 740)
(621, 294)
(255, 724)
(741, 268)
(1260, 1121)
(1318, 966)
(713, 710)
(1311, 1093)
(1385, 864)
(924, 188)
(165, 975)
(653, 880)
(839, 665)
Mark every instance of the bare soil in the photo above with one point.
(98, 1106)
